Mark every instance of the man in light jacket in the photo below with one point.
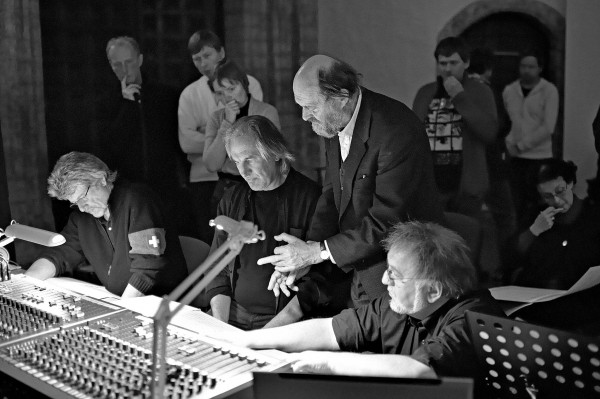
(532, 106)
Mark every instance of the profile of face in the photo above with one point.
(206, 60)
(92, 199)
(230, 90)
(126, 63)
(259, 173)
(452, 65)
(408, 295)
(326, 115)
(557, 193)
(529, 69)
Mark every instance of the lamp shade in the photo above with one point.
(35, 235)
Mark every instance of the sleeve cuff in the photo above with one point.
(142, 283)
(330, 255)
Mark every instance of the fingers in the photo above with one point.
(286, 269)
(124, 83)
(270, 259)
(273, 280)
(284, 288)
(287, 238)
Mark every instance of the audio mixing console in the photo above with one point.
(67, 345)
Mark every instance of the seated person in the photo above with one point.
(562, 241)
(277, 198)
(419, 330)
(231, 88)
(118, 227)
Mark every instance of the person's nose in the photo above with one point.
(385, 279)
(306, 114)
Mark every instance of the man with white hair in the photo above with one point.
(417, 330)
(120, 228)
(277, 199)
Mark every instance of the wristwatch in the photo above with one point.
(324, 254)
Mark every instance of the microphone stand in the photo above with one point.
(240, 233)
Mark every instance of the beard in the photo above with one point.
(418, 304)
(332, 124)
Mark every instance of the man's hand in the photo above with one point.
(453, 86)
(284, 282)
(232, 109)
(311, 362)
(544, 221)
(294, 256)
(129, 91)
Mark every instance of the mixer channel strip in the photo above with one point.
(111, 357)
(29, 307)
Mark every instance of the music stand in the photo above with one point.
(520, 359)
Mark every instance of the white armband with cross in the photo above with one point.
(148, 242)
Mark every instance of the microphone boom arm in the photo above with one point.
(240, 233)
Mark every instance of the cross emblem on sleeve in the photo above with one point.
(154, 241)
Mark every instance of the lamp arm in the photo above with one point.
(247, 232)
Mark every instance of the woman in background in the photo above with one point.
(231, 88)
(563, 240)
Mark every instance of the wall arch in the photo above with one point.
(549, 18)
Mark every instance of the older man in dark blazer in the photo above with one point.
(379, 172)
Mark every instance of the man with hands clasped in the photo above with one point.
(378, 173)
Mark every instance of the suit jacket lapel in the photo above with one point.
(333, 169)
(358, 148)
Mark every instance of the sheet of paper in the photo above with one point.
(516, 293)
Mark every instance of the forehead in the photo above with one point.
(551, 185)
(225, 83)
(206, 51)
(121, 52)
(305, 94)
(400, 262)
(243, 147)
(455, 57)
(529, 61)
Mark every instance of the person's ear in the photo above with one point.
(434, 291)
(343, 98)
(140, 60)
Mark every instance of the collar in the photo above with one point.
(346, 132)
(426, 315)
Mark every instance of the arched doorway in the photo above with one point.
(509, 27)
(508, 34)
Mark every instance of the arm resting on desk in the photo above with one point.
(359, 364)
(219, 305)
(315, 334)
(41, 269)
(131, 292)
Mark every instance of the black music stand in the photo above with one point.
(522, 360)
(321, 386)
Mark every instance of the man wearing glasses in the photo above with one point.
(118, 227)
(417, 330)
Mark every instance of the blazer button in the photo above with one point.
(342, 188)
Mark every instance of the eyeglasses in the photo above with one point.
(76, 203)
(559, 192)
(402, 280)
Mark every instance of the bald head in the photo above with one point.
(308, 74)
(327, 90)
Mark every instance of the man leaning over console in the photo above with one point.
(417, 330)
(119, 227)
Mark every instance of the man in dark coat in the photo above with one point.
(379, 172)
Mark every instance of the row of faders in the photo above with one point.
(111, 358)
(28, 307)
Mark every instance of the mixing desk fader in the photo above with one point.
(66, 346)
(28, 306)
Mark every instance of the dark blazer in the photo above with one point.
(387, 177)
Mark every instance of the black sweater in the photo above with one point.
(136, 246)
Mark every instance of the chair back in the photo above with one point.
(195, 252)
